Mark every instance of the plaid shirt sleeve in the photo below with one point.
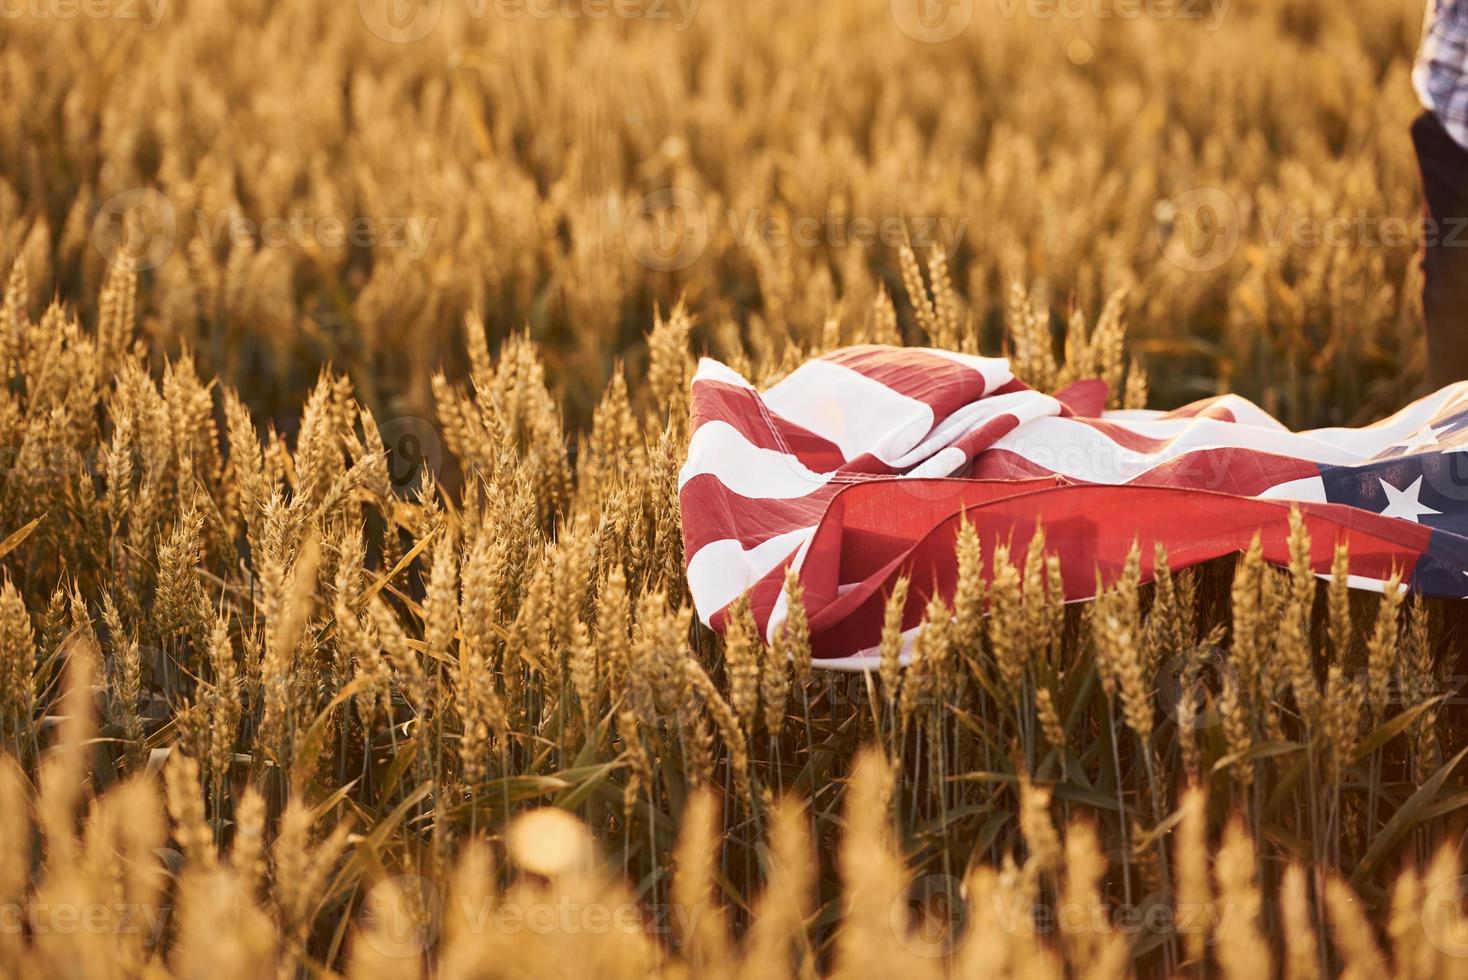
(1440, 74)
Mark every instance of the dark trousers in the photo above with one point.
(1444, 166)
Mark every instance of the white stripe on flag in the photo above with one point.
(851, 410)
(719, 449)
(1310, 490)
(721, 571)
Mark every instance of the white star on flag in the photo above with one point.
(1404, 503)
(1422, 437)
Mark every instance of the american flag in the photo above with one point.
(861, 465)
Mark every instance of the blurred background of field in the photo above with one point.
(523, 145)
(506, 236)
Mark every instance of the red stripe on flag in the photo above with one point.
(722, 514)
(1204, 408)
(742, 409)
(1091, 528)
(939, 382)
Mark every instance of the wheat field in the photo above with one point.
(346, 351)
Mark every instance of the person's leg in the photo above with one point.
(1444, 166)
